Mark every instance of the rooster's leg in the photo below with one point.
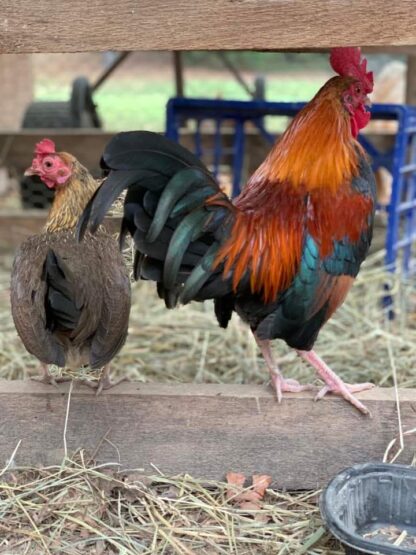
(280, 384)
(47, 378)
(334, 384)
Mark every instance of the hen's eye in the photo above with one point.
(358, 90)
(48, 164)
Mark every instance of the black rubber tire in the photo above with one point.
(34, 193)
(79, 112)
(48, 115)
(83, 109)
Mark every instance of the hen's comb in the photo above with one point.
(46, 146)
(347, 62)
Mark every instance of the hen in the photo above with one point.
(285, 252)
(70, 301)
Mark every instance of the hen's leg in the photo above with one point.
(47, 378)
(105, 381)
(334, 384)
(280, 384)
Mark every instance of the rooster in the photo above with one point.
(285, 252)
(70, 301)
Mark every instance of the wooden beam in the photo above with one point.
(78, 26)
(205, 430)
(17, 225)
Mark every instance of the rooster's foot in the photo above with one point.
(334, 384)
(280, 385)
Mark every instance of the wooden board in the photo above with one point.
(27, 26)
(204, 430)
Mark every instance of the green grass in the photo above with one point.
(140, 104)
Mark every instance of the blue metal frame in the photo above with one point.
(400, 160)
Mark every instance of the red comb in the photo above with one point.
(46, 146)
(347, 62)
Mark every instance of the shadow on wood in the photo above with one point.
(204, 430)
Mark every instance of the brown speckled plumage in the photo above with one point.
(95, 279)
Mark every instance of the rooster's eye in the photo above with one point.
(358, 90)
(48, 164)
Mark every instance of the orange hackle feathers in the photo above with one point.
(316, 151)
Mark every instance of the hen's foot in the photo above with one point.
(48, 379)
(334, 384)
(105, 381)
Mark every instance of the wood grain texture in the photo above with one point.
(16, 226)
(205, 430)
(27, 26)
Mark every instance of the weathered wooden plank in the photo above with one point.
(213, 24)
(205, 430)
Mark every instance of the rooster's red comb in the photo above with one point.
(347, 62)
(46, 146)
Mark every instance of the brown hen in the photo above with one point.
(70, 301)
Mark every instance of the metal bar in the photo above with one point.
(172, 129)
(408, 205)
(217, 147)
(230, 66)
(178, 69)
(111, 68)
(238, 156)
(198, 140)
(406, 241)
(408, 168)
(393, 216)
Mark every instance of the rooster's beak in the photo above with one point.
(367, 102)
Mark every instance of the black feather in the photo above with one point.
(129, 150)
(180, 183)
(62, 311)
(223, 307)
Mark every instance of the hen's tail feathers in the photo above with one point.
(61, 309)
(176, 231)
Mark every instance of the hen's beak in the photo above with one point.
(30, 171)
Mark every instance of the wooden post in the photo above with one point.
(205, 430)
(16, 89)
(411, 80)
